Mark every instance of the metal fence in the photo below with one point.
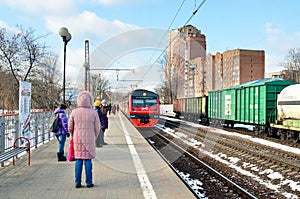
(39, 129)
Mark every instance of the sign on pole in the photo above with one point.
(24, 108)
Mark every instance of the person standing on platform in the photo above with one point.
(108, 107)
(99, 140)
(62, 132)
(113, 109)
(84, 127)
(104, 108)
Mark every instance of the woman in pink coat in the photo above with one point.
(84, 127)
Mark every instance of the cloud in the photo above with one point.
(41, 7)
(273, 63)
(84, 26)
(278, 42)
(112, 2)
(7, 27)
(74, 66)
(88, 25)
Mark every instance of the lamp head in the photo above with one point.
(69, 37)
(64, 33)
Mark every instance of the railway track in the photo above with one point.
(214, 184)
(254, 158)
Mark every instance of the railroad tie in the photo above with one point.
(286, 171)
(274, 166)
(292, 173)
(297, 176)
(269, 164)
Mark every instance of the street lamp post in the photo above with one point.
(86, 85)
(66, 36)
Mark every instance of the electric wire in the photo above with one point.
(169, 27)
(190, 18)
(173, 20)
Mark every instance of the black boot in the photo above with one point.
(61, 157)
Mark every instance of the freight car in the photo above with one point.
(287, 125)
(253, 103)
(192, 109)
(143, 108)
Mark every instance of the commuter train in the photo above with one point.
(271, 106)
(142, 107)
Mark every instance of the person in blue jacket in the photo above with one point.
(62, 132)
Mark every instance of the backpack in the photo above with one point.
(56, 124)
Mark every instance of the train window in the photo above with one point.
(150, 102)
(143, 102)
(137, 102)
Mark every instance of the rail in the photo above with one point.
(232, 185)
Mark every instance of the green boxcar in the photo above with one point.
(221, 104)
(195, 107)
(250, 103)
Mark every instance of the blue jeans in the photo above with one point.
(61, 143)
(88, 171)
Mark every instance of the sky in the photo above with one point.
(269, 25)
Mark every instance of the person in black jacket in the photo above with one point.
(99, 140)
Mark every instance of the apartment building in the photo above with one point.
(196, 73)
(184, 44)
(241, 66)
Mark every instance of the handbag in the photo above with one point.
(71, 154)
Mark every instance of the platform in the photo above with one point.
(127, 167)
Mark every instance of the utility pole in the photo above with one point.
(86, 65)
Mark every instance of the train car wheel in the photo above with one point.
(282, 134)
(269, 132)
(256, 130)
(296, 137)
(220, 123)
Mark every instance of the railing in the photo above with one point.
(40, 122)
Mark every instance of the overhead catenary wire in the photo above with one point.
(176, 14)
(190, 18)
(169, 27)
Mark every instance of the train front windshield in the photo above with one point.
(143, 102)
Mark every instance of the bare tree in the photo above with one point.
(46, 81)
(20, 52)
(101, 85)
(171, 79)
(292, 65)
(8, 91)
(22, 57)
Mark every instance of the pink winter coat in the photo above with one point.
(84, 126)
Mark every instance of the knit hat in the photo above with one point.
(103, 102)
(97, 103)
